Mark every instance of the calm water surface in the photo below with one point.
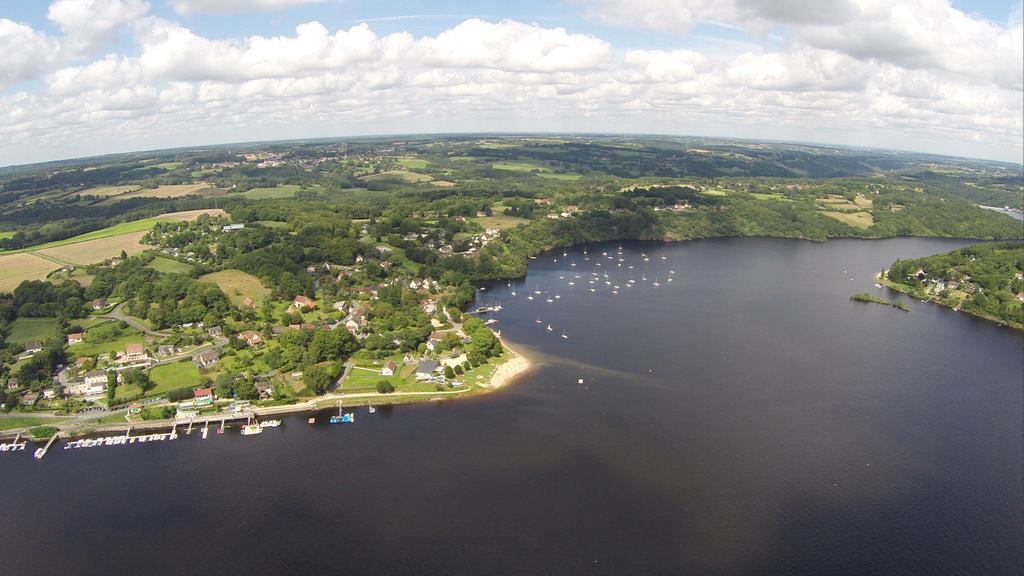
(744, 418)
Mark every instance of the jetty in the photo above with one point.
(40, 452)
(14, 445)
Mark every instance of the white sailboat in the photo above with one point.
(549, 328)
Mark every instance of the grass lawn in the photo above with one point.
(176, 375)
(32, 329)
(170, 376)
(282, 191)
(112, 419)
(8, 234)
(237, 285)
(168, 266)
(117, 345)
(520, 167)
(714, 192)
(23, 421)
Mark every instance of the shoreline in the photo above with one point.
(504, 375)
(510, 370)
(925, 297)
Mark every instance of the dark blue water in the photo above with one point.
(745, 418)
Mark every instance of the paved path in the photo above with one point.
(116, 314)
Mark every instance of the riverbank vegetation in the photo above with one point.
(984, 280)
(865, 297)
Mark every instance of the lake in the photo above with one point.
(743, 418)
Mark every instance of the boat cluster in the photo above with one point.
(611, 272)
(118, 440)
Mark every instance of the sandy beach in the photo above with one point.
(511, 369)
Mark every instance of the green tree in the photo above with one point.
(317, 379)
(385, 387)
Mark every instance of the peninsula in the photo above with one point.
(986, 281)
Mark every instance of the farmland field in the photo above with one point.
(20, 267)
(237, 285)
(32, 329)
(109, 190)
(403, 175)
(560, 176)
(282, 191)
(855, 219)
(500, 221)
(520, 167)
(169, 191)
(168, 266)
(413, 163)
(7, 234)
(98, 250)
(143, 225)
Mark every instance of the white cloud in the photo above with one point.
(86, 24)
(26, 52)
(182, 88)
(227, 6)
(926, 34)
(510, 45)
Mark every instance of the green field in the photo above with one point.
(765, 196)
(520, 167)
(560, 176)
(117, 345)
(413, 163)
(282, 191)
(115, 230)
(171, 376)
(165, 378)
(500, 221)
(23, 421)
(168, 266)
(366, 381)
(32, 329)
(6, 234)
(237, 285)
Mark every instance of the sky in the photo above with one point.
(88, 77)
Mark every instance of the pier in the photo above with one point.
(40, 452)
(13, 446)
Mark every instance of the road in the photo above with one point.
(116, 314)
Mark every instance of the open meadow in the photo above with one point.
(32, 329)
(238, 285)
(19, 267)
(168, 191)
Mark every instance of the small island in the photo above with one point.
(984, 280)
(865, 297)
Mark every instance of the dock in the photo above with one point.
(40, 452)
(13, 446)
